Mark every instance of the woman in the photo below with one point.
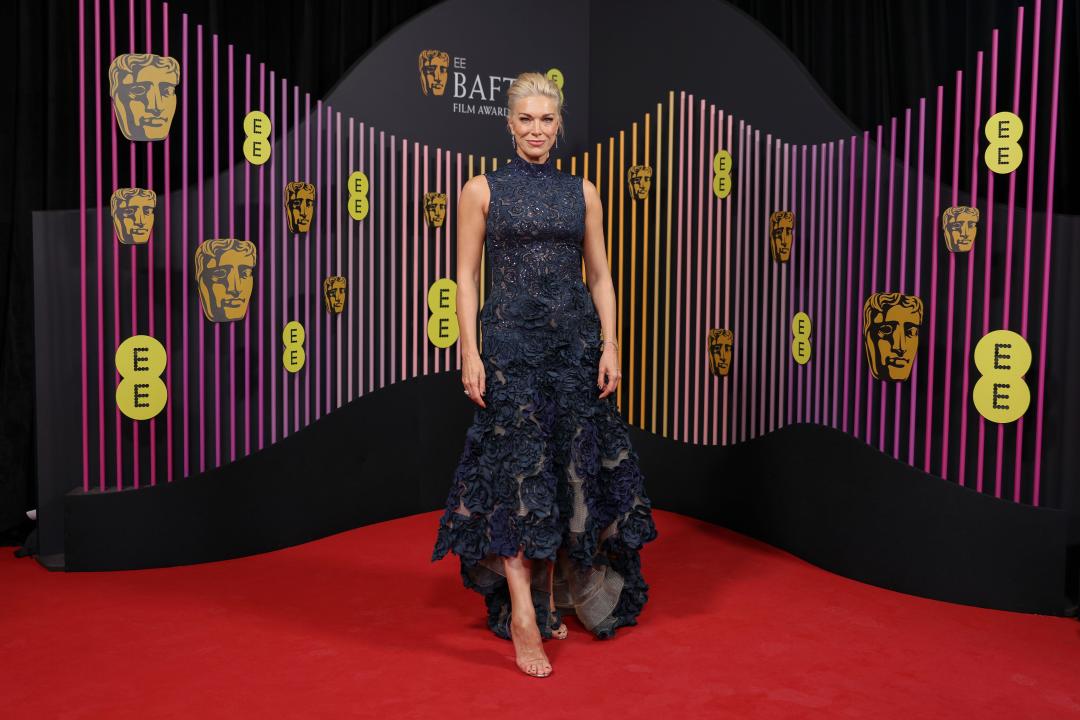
(548, 508)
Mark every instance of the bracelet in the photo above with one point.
(609, 341)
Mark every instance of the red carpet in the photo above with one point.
(362, 625)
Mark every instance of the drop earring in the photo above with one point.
(513, 141)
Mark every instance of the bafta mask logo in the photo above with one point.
(891, 334)
(143, 91)
(224, 270)
(299, 206)
(960, 224)
(133, 214)
(435, 208)
(333, 289)
(781, 234)
(639, 178)
(721, 348)
(434, 67)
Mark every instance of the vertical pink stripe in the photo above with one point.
(777, 365)
(168, 276)
(676, 415)
(961, 475)
(98, 169)
(791, 160)
(811, 248)
(754, 249)
(421, 290)
(295, 241)
(740, 354)
(232, 233)
(834, 323)
(217, 233)
(185, 244)
(404, 258)
(1025, 302)
(988, 243)
(947, 383)
(82, 250)
(850, 312)
(150, 264)
(826, 251)
(735, 372)
(1010, 217)
(932, 306)
(416, 287)
(332, 195)
(860, 366)
(339, 270)
(705, 319)
(1046, 257)
(382, 248)
(200, 234)
(699, 321)
(902, 284)
(719, 239)
(919, 221)
(727, 280)
(262, 265)
(134, 275)
(259, 247)
(873, 271)
(273, 341)
(321, 231)
(354, 278)
(887, 280)
(803, 252)
(765, 384)
(684, 389)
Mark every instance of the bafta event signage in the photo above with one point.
(334, 288)
(472, 93)
(1002, 357)
(132, 212)
(639, 179)
(299, 206)
(141, 394)
(142, 87)
(435, 208)
(960, 225)
(224, 271)
(781, 235)
(257, 130)
(721, 344)
(801, 347)
(443, 323)
(891, 324)
(293, 336)
(358, 200)
(1003, 154)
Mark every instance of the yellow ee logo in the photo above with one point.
(721, 183)
(1001, 395)
(442, 327)
(358, 201)
(1003, 154)
(141, 394)
(257, 131)
(293, 336)
(800, 344)
(555, 75)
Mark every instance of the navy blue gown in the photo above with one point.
(547, 465)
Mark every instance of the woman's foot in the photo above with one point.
(558, 633)
(528, 647)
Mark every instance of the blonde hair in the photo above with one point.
(530, 84)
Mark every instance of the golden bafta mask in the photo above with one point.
(224, 270)
(299, 206)
(891, 324)
(333, 289)
(721, 349)
(434, 67)
(960, 224)
(639, 178)
(435, 208)
(781, 234)
(133, 214)
(143, 91)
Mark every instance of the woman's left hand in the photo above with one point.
(607, 378)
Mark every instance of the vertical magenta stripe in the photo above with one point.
(273, 340)
(887, 280)
(376, 192)
(735, 325)
(217, 233)
(200, 235)
(980, 454)
(329, 236)
(115, 252)
(727, 279)
(295, 241)
(719, 239)
(776, 364)
(860, 367)
(947, 382)
(321, 231)
(339, 270)
(416, 287)
(382, 248)
(312, 347)
(247, 236)
(961, 475)
(134, 275)
(420, 290)
(848, 326)
(185, 244)
(685, 389)
(404, 258)
(932, 306)
(1046, 257)
(763, 386)
(354, 278)
(703, 313)
(168, 277)
(82, 249)
(438, 240)
(754, 245)
(791, 158)
(99, 198)
(902, 284)
(1031, 123)
(150, 264)
(231, 359)
(811, 247)
(263, 204)
(873, 271)
(834, 323)
(676, 415)
(803, 253)
(917, 272)
(827, 324)
(1009, 224)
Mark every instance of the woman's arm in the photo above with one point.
(601, 288)
(471, 219)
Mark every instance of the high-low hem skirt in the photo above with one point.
(548, 468)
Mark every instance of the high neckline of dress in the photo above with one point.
(531, 168)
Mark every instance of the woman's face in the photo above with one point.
(534, 121)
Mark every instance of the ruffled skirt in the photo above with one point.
(547, 467)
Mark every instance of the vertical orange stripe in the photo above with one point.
(656, 261)
(631, 377)
(619, 297)
(644, 281)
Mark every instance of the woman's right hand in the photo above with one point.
(472, 377)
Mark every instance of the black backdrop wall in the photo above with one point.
(872, 58)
